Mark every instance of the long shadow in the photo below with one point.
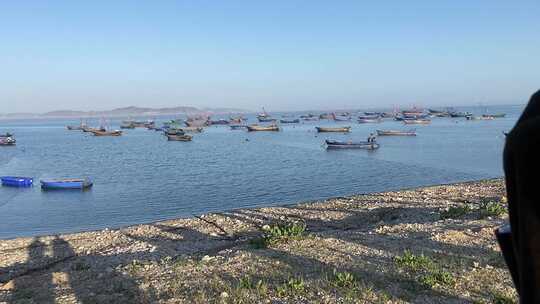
(42, 277)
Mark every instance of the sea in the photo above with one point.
(141, 177)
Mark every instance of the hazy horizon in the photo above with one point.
(284, 55)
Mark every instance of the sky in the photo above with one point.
(283, 55)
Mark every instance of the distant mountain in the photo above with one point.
(121, 112)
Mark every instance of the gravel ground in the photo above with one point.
(425, 245)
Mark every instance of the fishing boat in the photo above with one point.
(254, 128)
(179, 137)
(333, 129)
(219, 122)
(191, 129)
(197, 122)
(419, 121)
(106, 133)
(369, 120)
(173, 131)
(238, 127)
(80, 127)
(7, 140)
(473, 117)
(334, 144)
(325, 116)
(16, 181)
(500, 115)
(341, 117)
(460, 114)
(127, 124)
(66, 184)
(396, 133)
(289, 121)
(236, 120)
(266, 119)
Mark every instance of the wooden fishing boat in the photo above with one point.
(219, 122)
(7, 140)
(192, 129)
(333, 129)
(173, 131)
(238, 127)
(473, 117)
(420, 121)
(500, 115)
(334, 144)
(266, 119)
(179, 137)
(325, 116)
(396, 133)
(289, 121)
(106, 133)
(254, 128)
(16, 181)
(314, 118)
(127, 125)
(341, 117)
(66, 184)
(369, 120)
(459, 114)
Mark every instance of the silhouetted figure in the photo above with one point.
(23, 288)
(522, 170)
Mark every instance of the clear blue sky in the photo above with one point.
(280, 54)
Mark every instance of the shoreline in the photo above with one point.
(276, 205)
(216, 257)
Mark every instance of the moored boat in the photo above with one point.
(106, 133)
(396, 133)
(499, 115)
(473, 117)
(289, 121)
(369, 120)
(254, 128)
(179, 137)
(334, 144)
(66, 184)
(333, 129)
(219, 122)
(419, 121)
(238, 127)
(7, 140)
(191, 129)
(16, 181)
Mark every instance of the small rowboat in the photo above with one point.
(289, 121)
(238, 127)
(179, 137)
(66, 184)
(369, 120)
(191, 129)
(420, 121)
(7, 140)
(174, 132)
(471, 117)
(16, 181)
(333, 129)
(396, 133)
(106, 133)
(266, 119)
(501, 115)
(334, 144)
(254, 128)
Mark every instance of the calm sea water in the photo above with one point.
(141, 177)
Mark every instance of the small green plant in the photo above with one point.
(293, 286)
(278, 232)
(344, 279)
(502, 299)
(492, 209)
(454, 212)
(413, 262)
(437, 277)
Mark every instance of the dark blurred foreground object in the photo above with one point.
(520, 242)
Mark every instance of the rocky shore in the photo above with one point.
(425, 245)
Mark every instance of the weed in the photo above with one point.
(344, 279)
(413, 262)
(293, 286)
(492, 209)
(278, 232)
(80, 266)
(502, 299)
(454, 212)
(437, 277)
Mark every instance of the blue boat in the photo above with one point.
(65, 184)
(16, 181)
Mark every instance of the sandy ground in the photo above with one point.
(426, 245)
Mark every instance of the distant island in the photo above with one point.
(122, 112)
